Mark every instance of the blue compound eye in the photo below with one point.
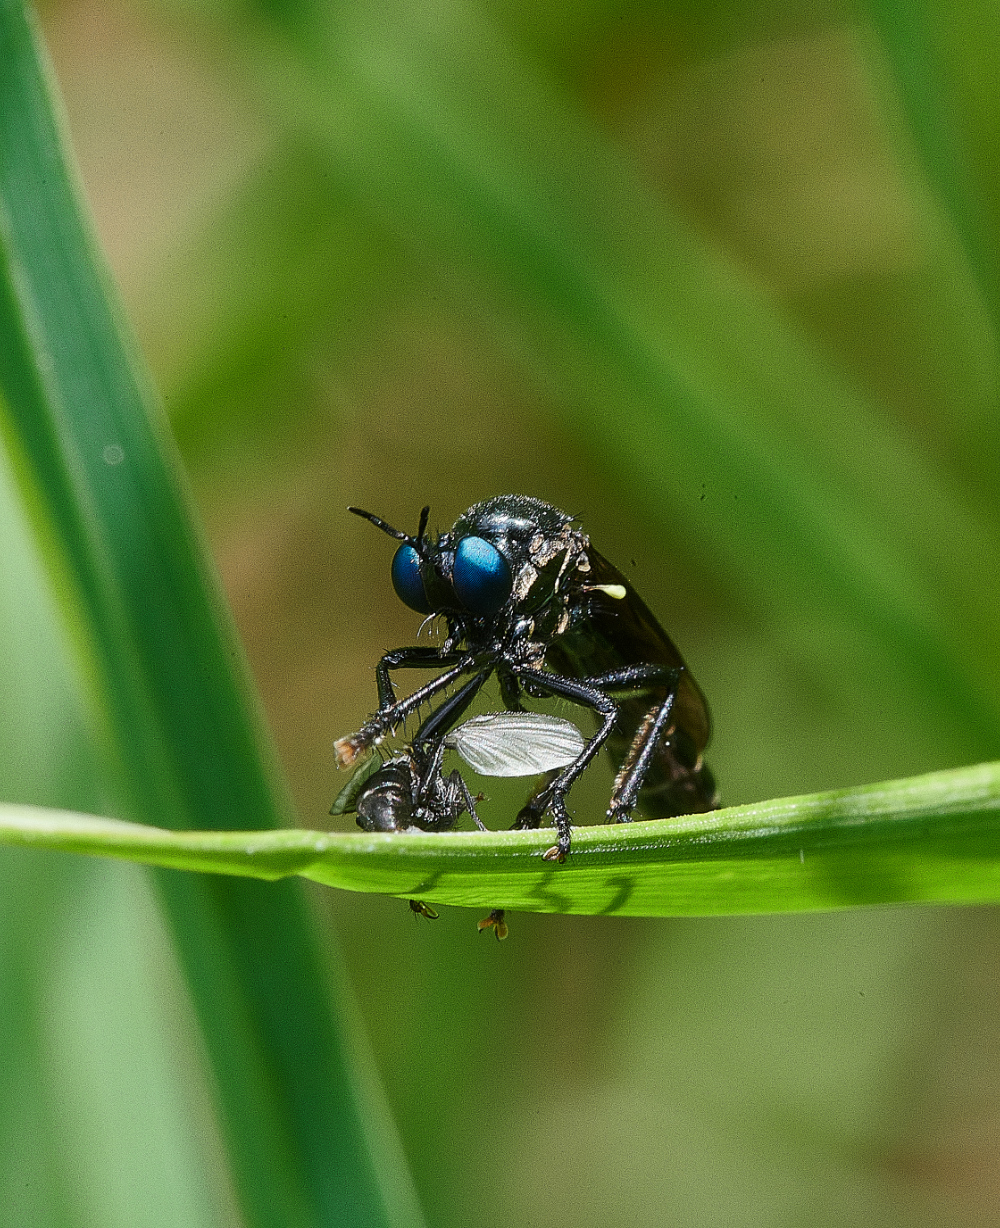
(481, 578)
(406, 580)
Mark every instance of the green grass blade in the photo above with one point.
(103, 483)
(929, 839)
(167, 694)
(942, 62)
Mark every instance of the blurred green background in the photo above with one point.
(719, 281)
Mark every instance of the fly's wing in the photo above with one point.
(612, 626)
(516, 743)
(347, 798)
(634, 635)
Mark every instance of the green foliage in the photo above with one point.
(175, 732)
(933, 839)
(722, 279)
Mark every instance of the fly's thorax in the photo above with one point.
(514, 519)
(525, 653)
(545, 576)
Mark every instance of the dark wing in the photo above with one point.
(630, 626)
(609, 630)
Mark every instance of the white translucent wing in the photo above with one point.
(516, 743)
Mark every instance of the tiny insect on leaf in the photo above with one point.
(495, 922)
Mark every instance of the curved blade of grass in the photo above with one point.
(168, 697)
(928, 839)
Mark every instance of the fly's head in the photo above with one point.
(505, 561)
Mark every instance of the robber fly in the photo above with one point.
(524, 595)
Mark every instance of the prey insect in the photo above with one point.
(411, 791)
(526, 597)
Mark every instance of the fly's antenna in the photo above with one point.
(398, 534)
(379, 523)
(424, 513)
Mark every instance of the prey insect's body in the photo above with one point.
(526, 597)
(410, 790)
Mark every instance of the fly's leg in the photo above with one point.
(444, 718)
(455, 781)
(552, 797)
(407, 658)
(392, 711)
(451, 797)
(510, 692)
(591, 693)
(648, 737)
(530, 814)
(441, 799)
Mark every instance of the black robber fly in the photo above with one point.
(524, 595)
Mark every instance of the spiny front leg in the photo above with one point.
(395, 711)
(531, 813)
(560, 817)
